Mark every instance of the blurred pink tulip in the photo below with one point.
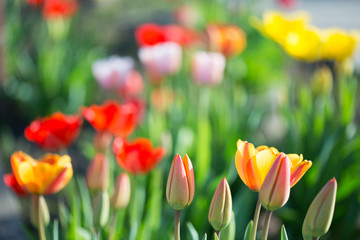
(208, 67)
(117, 73)
(97, 175)
(161, 59)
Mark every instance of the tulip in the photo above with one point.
(59, 9)
(121, 196)
(338, 44)
(180, 187)
(161, 59)
(97, 175)
(138, 156)
(221, 207)
(11, 182)
(253, 164)
(228, 39)
(112, 117)
(54, 132)
(320, 213)
(275, 190)
(322, 81)
(46, 176)
(208, 67)
(149, 34)
(117, 73)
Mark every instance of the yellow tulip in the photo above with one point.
(338, 44)
(46, 176)
(253, 164)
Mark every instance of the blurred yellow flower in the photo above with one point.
(338, 44)
(303, 41)
(46, 176)
(303, 44)
(276, 25)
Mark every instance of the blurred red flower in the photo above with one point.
(113, 117)
(150, 34)
(54, 132)
(11, 182)
(54, 9)
(137, 157)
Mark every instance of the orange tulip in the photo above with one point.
(253, 164)
(46, 176)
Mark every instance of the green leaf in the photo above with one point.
(193, 233)
(205, 237)
(248, 230)
(283, 233)
(215, 237)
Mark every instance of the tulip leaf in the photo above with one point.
(283, 233)
(83, 233)
(193, 233)
(248, 230)
(215, 237)
(205, 237)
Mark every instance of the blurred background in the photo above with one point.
(287, 77)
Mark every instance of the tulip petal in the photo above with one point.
(190, 176)
(264, 161)
(299, 172)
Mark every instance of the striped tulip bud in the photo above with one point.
(120, 198)
(275, 190)
(221, 206)
(320, 213)
(180, 187)
(97, 175)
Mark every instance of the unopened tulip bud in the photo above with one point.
(101, 208)
(121, 196)
(180, 187)
(275, 190)
(320, 213)
(322, 81)
(97, 175)
(38, 201)
(221, 206)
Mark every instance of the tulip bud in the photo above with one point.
(322, 81)
(100, 209)
(97, 175)
(121, 195)
(275, 190)
(320, 213)
(102, 141)
(38, 201)
(180, 187)
(221, 206)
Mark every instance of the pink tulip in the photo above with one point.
(97, 175)
(208, 67)
(121, 196)
(180, 187)
(275, 190)
(161, 59)
(117, 73)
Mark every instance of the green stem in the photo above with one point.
(133, 211)
(177, 225)
(267, 224)
(114, 217)
(41, 227)
(315, 238)
(256, 219)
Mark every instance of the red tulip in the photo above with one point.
(113, 117)
(54, 132)
(149, 34)
(11, 182)
(137, 157)
(54, 9)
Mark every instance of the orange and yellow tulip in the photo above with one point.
(46, 176)
(253, 164)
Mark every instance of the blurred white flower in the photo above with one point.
(208, 67)
(117, 73)
(161, 59)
